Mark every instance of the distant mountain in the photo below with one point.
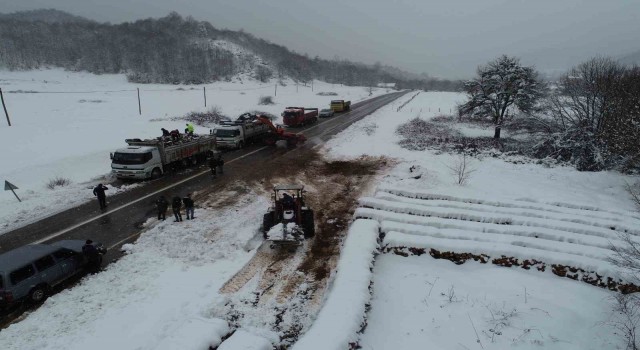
(173, 49)
(631, 59)
(45, 15)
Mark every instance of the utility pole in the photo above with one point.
(139, 105)
(204, 91)
(311, 85)
(296, 86)
(5, 109)
(275, 92)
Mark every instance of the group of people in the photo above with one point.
(175, 134)
(176, 205)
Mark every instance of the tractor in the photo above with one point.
(289, 211)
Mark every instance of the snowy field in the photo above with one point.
(65, 124)
(554, 215)
(527, 212)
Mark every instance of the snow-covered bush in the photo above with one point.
(58, 181)
(266, 100)
(574, 146)
(212, 116)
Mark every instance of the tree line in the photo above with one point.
(174, 49)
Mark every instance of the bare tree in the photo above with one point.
(597, 104)
(626, 318)
(500, 85)
(461, 169)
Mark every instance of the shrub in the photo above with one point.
(58, 181)
(327, 94)
(212, 116)
(266, 100)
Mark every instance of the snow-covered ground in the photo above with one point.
(65, 124)
(159, 296)
(554, 215)
(166, 292)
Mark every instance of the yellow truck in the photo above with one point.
(340, 105)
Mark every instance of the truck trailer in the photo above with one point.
(144, 159)
(299, 116)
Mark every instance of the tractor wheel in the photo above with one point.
(267, 223)
(308, 224)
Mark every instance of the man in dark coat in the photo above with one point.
(92, 255)
(165, 132)
(162, 206)
(98, 191)
(220, 164)
(188, 206)
(175, 135)
(176, 204)
(213, 164)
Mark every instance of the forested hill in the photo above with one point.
(172, 49)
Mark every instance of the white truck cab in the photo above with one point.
(230, 136)
(137, 162)
(237, 134)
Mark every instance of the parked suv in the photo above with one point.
(28, 273)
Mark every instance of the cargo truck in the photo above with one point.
(144, 159)
(236, 134)
(299, 116)
(340, 106)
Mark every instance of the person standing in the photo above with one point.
(188, 206)
(98, 191)
(220, 164)
(213, 164)
(162, 206)
(94, 259)
(176, 205)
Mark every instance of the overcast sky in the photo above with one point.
(443, 38)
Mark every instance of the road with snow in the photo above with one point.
(128, 211)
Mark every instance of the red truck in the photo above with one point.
(299, 116)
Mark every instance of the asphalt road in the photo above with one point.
(126, 212)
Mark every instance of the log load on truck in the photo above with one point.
(340, 105)
(144, 159)
(299, 116)
(236, 134)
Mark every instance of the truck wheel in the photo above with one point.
(156, 173)
(267, 223)
(308, 224)
(38, 294)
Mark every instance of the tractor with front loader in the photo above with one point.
(289, 220)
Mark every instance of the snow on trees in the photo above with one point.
(501, 84)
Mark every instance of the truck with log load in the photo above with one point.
(144, 159)
(244, 130)
(340, 106)
(299, 116)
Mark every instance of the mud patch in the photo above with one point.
(280, 290)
